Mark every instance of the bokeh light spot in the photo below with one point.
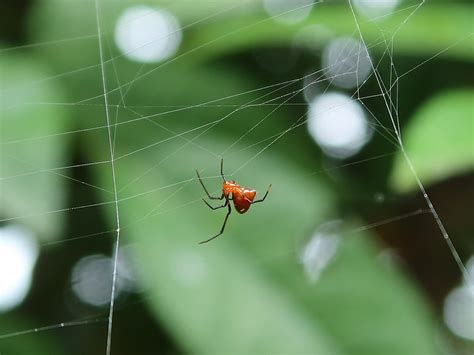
(459, 306)
(459, 312)
(338, 124)
(320, 249)
(288, 11)
(346, 62)
(91, 278)
(372, 9)
(18, 253)
(145, 34)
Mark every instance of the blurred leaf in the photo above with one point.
(443, 29)
(245, 291)
(213, 298)
(27, 189)
(218, 297)
(430, 30)
(439, 140)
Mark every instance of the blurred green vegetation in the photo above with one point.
(439, 140)
(246, 292)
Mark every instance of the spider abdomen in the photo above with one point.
(243, 199)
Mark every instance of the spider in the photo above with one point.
(242, 198)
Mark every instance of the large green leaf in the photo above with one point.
(439, 140)
(213, 298)
(218, 298)
(30, 146)
(246, 291)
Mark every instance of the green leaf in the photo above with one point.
(442, 29)
(439, 140)
(246, 291)
(218, 297)
(431, 30)
(30, 146)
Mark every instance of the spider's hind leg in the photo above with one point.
(229, 210)
(215, 208)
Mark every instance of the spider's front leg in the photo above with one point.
(207, 192)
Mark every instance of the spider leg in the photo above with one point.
(222, 169)
(264, 196)
(215, 208)
(223, 225)
(207, 192)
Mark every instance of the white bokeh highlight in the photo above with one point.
(346, 62)
(310, 87)
(320, 250)
(458, 310)
(373, 9)
(288, 12)
(147, 35)
(91, 278)
(18, 254)
(338, 125)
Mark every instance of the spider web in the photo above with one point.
(242, 151)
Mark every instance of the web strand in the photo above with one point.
(112, 164)
(431, 207)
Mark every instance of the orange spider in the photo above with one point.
(242, 198)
